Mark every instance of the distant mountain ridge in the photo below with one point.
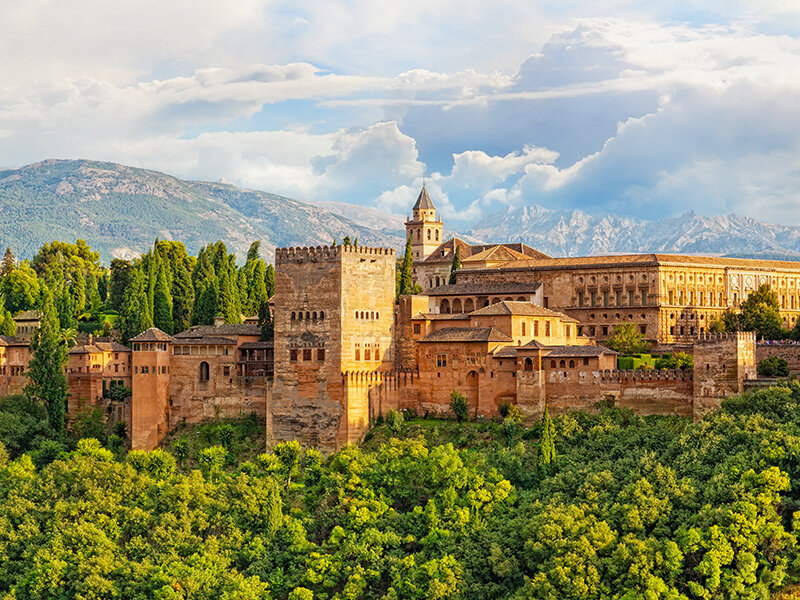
(121, 210)
(576, 233)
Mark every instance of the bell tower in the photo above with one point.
(425, 230)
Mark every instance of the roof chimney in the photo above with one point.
(90, 339)
(218, 321)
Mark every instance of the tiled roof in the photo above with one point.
(495, 253)
(467, 334)
(424, 200)
(256, 345)
(206, 340)
(440, 317)
(98, 347)
(224, 329)
(527, 309)
(533, 345)
(154, 334)
(488, 289)
(579, 351)
(29, 315)
(649, 259)
(11, 340)
(506, 352)
(444, 252)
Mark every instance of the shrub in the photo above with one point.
(394, 419)
(773, 366)
(458, 404)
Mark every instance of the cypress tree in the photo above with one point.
(8, 327)
(102, 286)
(92, 295)
(406, 277)
(134, 318)
(182, 299)
(77, 290)
(121, 271)
(456, 263)
(547, 446)
(162, 302)
(8, 264)
(257, 288)
(269, 279)
(153, 262)
(206, 303)
(65, 307)
(47, 382)
(229, 298)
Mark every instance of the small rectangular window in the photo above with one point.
(643, 329)
(441, 360)
(306, 354)
(320, 354)
(644, 297)
(585, 362)
(417, 328)
(580, 298)
(226, 371)
(367, 354)
(605, 330)
(593, 297)
(619, 298)
(293, 355)
(358, 354)
(547, 328)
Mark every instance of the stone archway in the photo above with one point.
(469, 305)
(457, 306)
(444, 307)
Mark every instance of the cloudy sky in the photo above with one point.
(648, 108)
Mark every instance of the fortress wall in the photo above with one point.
(789, 352)
(645, 392)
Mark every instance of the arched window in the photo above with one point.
(571, 364)
(562, 364)
(362, 314)
(528, 365)
(356, 314)
(300, 316)
(523, 328)
(308, 315)
(371, 315)
(437, 281)
(204, 371)
(322, 314)
(429, 234)
(552, 364)
(437, 235)
(294, 315)
(377, 315)
(314, 315)
(418, 234)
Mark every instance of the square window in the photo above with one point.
(306, 353)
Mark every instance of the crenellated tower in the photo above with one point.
(334, 321)
(425, 230)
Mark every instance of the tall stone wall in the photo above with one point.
(150, 409)
(645, 392)
(789, 352)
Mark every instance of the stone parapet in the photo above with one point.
(305, 253)
(734, 336)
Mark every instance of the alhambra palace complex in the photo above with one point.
(517, 327)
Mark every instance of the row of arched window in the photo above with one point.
(309, 315)
(419, 235)
(367, 314)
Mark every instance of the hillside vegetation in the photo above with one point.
(655, 508)
(124, 209)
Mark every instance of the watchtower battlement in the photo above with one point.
(733, 336)
(315, 253)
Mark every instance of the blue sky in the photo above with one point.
(643, 108)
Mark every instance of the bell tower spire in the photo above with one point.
(424, 228)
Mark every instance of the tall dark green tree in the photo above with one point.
(134, 317)
(229, 306)
(77, 289)
(8, 264)
(761, 313)
(406, 283)
(47, 382)
(102, 285)
(121, 271)
(206, 303)
(92, 293)
(547, 445)
(182, 298)
(269, 279)
(162, 302)
(456, 263)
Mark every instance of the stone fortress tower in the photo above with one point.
(334, 321)
(425, 230)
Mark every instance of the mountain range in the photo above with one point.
(576, 233)
(121, 210)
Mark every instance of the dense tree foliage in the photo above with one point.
(629, 507)
(759, 312)
(627, 339)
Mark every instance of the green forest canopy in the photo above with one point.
(629, 508)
